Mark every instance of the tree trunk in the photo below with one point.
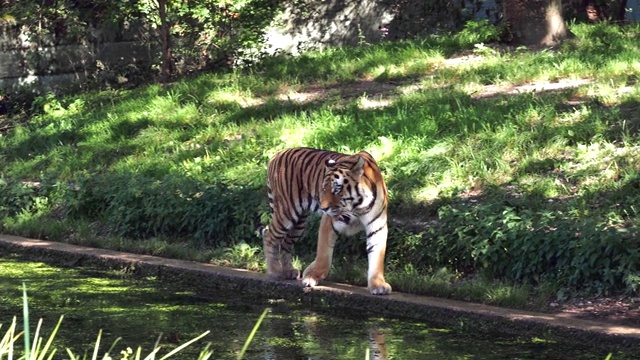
(165, 38)
(536, 22)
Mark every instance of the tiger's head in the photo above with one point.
(340, 195)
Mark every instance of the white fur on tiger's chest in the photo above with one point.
(351, 228)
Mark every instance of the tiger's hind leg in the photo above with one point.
(286, 249)
(278, 243)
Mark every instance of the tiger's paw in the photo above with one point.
(379, 287)
(291, 274)
(308, 281)
(313, 275)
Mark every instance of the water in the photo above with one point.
(142, 310)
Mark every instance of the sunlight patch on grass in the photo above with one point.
(366, 103)
(294, 136)
(541, 186)
(589, 155)
(602, 161)
(431, 193)
(383, 149)
(248, 169)
(196, 165)
(510, 125)
(436, 188)
(576, 115)
(226, 99)
(409, 68)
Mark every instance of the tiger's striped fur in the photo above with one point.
(350, 193)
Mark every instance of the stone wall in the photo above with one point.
(111, 54)
(51, 62)
(318, 24)
(59, 66)
(115, 55)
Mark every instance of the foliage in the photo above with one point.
(527, 246)
(210, 32)
(147, 206)
(596, 10)
(202, 34)
(480, 31)
(242, 256)
(16, 197)
(46, 22)
(521, 185)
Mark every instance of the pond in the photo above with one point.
(142, 310)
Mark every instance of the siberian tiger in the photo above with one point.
(350, 193)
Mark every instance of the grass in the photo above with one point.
(179, 170)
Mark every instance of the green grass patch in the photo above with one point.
(520, 165)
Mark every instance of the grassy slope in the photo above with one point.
(460, 149)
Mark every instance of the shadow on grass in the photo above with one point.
(428, 126)
(598, 220)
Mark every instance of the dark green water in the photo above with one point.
(141, 310)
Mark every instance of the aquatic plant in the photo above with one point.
(35, 350)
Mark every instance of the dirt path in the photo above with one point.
(619, 310)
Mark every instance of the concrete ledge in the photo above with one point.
(210, 279)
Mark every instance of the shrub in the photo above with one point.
(218, 214)
(14, 196)
(527, 246)
(480, 31)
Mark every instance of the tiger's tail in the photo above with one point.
(261, 230)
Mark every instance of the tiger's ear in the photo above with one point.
(358, 168)
(330, 163)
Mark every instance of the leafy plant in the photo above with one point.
(16, 197)
(479, 32)
(243, 256)
(493, 167)
(532, 247)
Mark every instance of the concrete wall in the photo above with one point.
(49, 62)
(318, 24)
(633, 13)
(302, 24)
(58, 66)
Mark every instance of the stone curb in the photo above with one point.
(211, 279)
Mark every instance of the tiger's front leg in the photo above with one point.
(319, 269)
(376, 248)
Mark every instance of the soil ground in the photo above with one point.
(617, 310)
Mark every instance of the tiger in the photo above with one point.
(350, 193)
